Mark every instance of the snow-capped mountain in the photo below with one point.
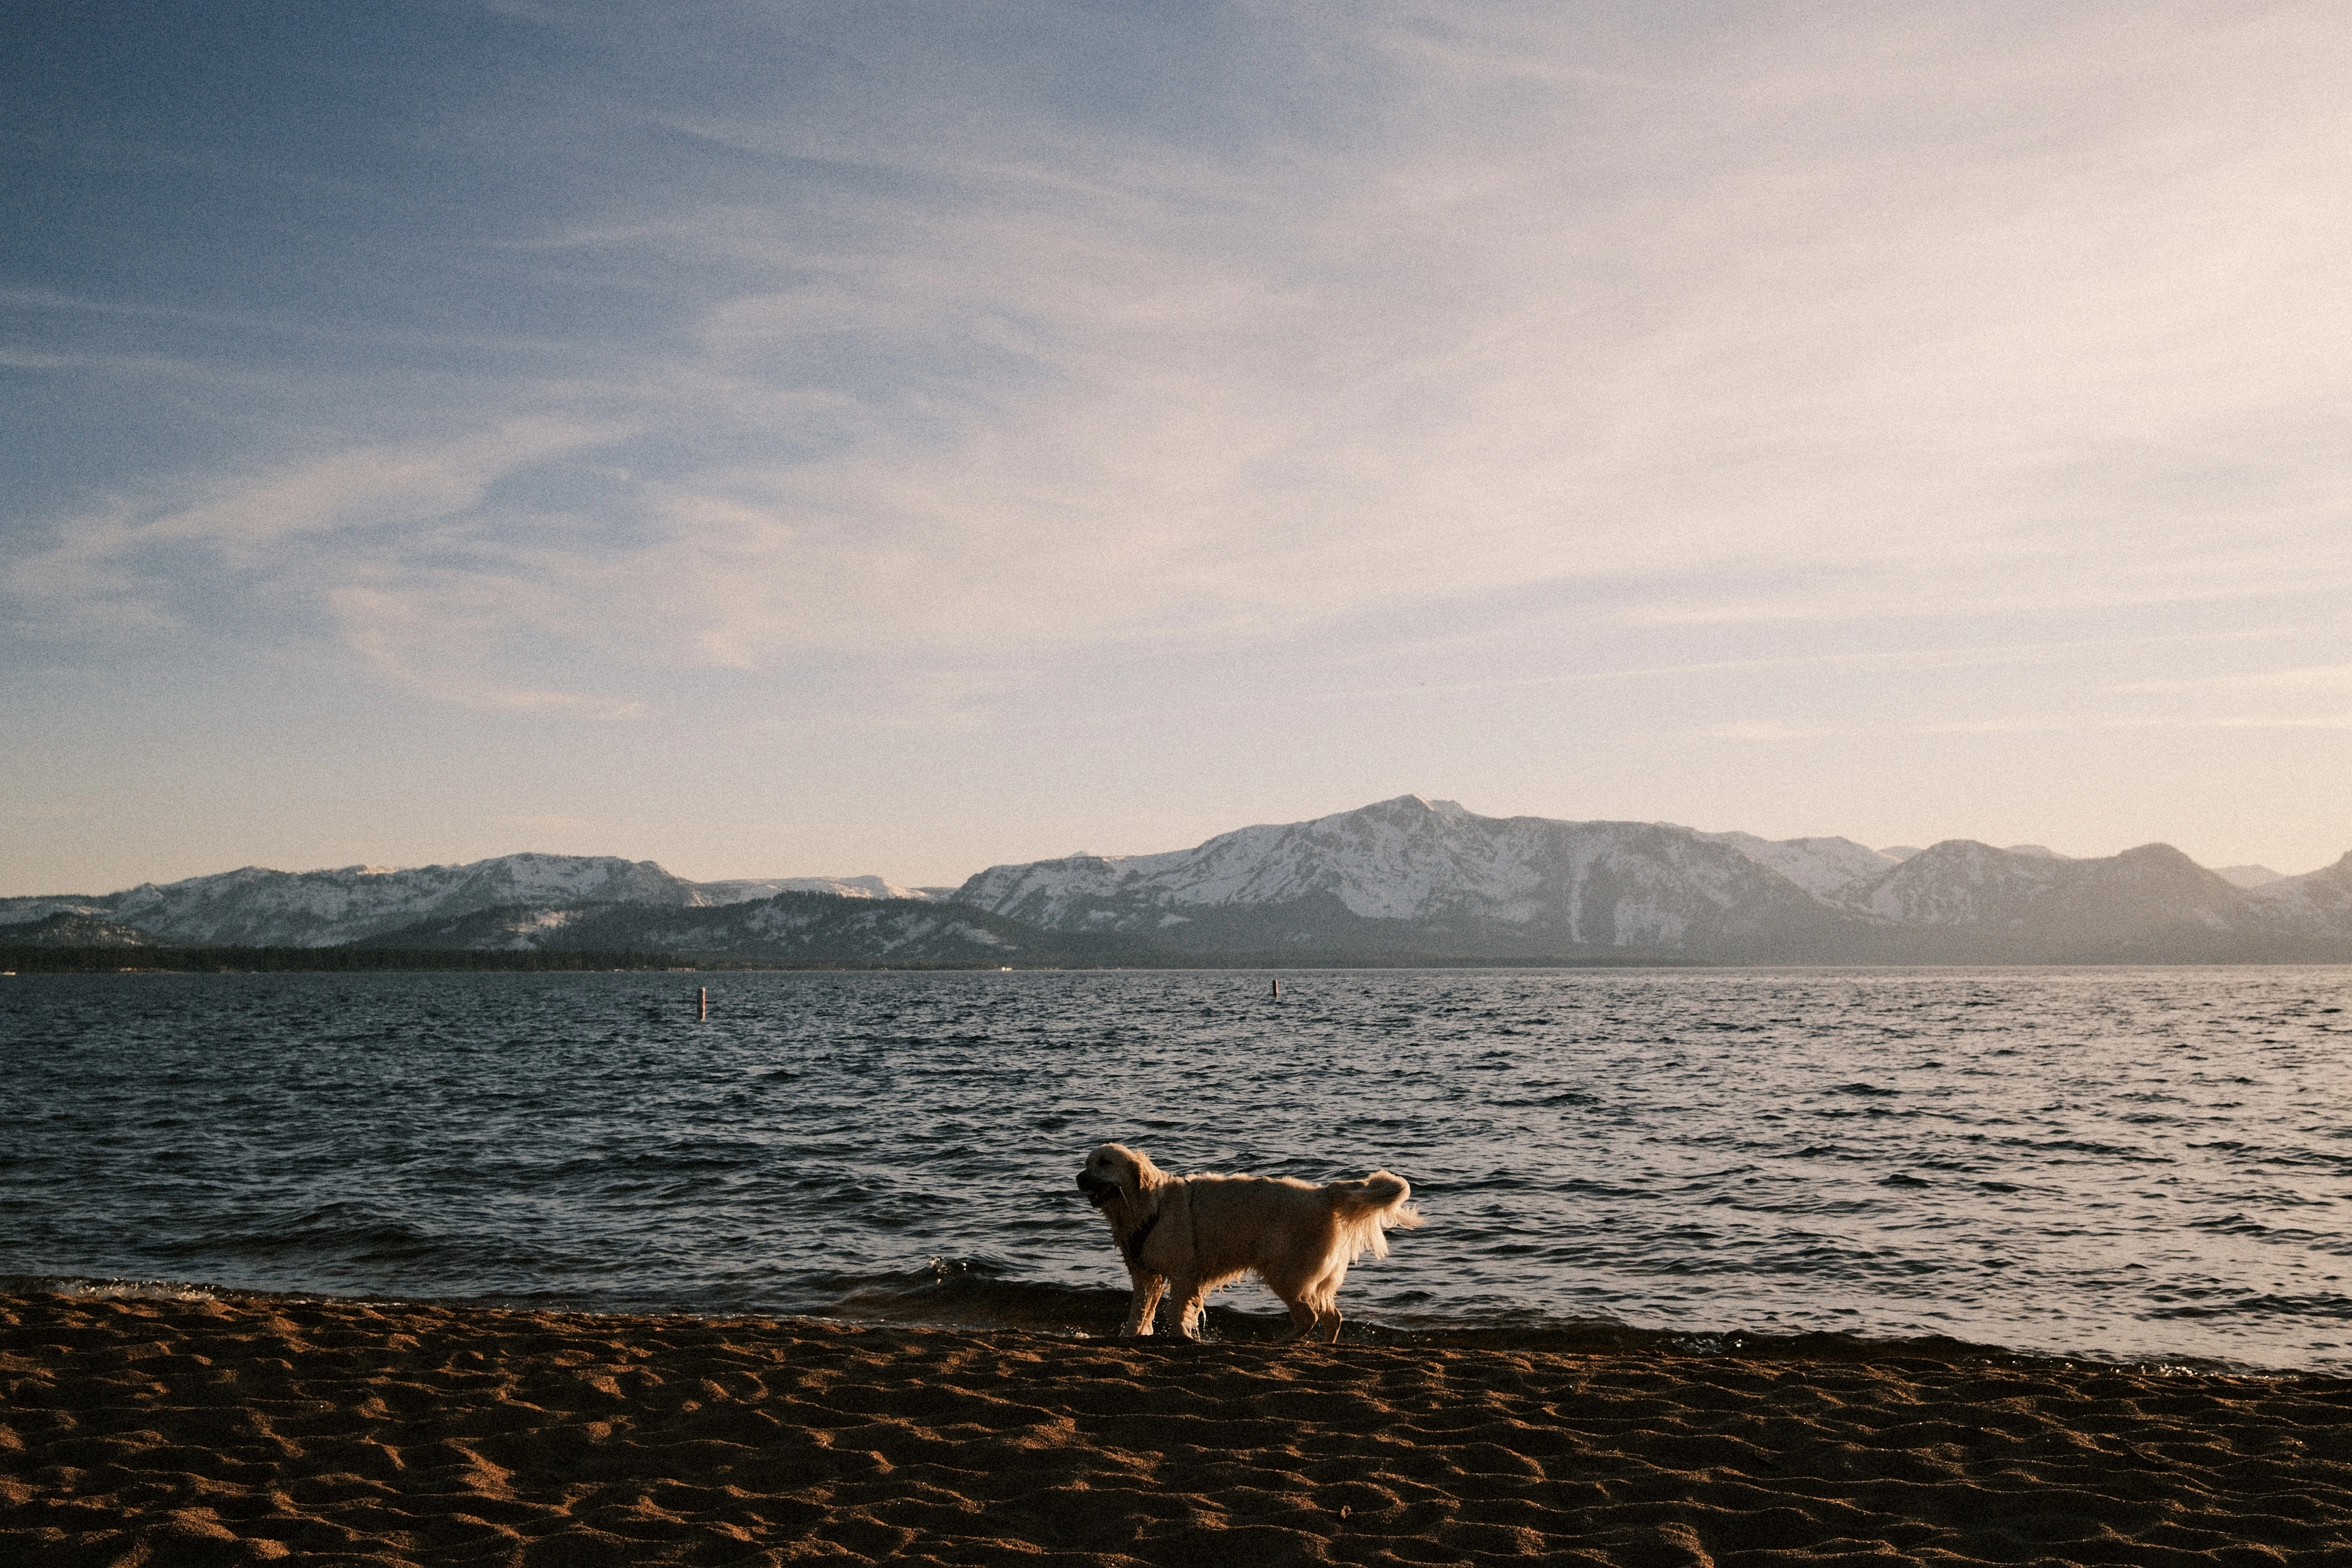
(1425, 875)
(1410, 875)
(260, 908)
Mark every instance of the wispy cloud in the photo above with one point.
(2329, 680)
(362, 490)
(439, 645)
(1769, 295)
(1765, 729)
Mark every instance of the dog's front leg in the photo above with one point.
(1192, 1303)
(1145, 1305)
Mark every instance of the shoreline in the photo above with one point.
(255, 1428)
(1224, 1322)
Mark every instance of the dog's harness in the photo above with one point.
(1133, 1246)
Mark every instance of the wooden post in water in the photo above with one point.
(705, 992)
(1277, 991)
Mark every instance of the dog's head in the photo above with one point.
(1114, 1171)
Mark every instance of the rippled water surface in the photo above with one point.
(2148, 1163)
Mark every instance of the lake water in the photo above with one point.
(2150, 1164)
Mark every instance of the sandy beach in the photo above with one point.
(167, 1432)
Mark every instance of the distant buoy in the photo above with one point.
(705, 993)
(1277, 991)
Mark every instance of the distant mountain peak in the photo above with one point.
(1408, 805)
(2158, 853)
(1410, 869)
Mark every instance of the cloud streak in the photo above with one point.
(1874, 294)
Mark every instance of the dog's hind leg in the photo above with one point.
(1322, 1296)
(1306, 1309)
(1145, 1305)
(1308, 1301)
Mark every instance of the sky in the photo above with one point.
(781, 439)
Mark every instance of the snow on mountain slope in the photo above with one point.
(2152, 900)
(1418, 863)
(1821, 866)
(66, 929)
(744, 890)
(1394, 861)
(1959, 881)
(791, 928)
(2317, 900)
(23, 909)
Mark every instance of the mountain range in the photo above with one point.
(260, 908)
(1397, 882)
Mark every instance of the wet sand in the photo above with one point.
(160, 1432)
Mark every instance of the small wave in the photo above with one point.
(110, 1290)
(341, 1229)
(2263, 1306)
(970, 1292)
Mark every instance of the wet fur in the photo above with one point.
(1202, 1232)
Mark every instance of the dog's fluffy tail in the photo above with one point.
(1367, 1210)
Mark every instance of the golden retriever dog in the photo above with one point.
(1188, 1235)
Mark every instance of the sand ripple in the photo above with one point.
(179, 1432)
